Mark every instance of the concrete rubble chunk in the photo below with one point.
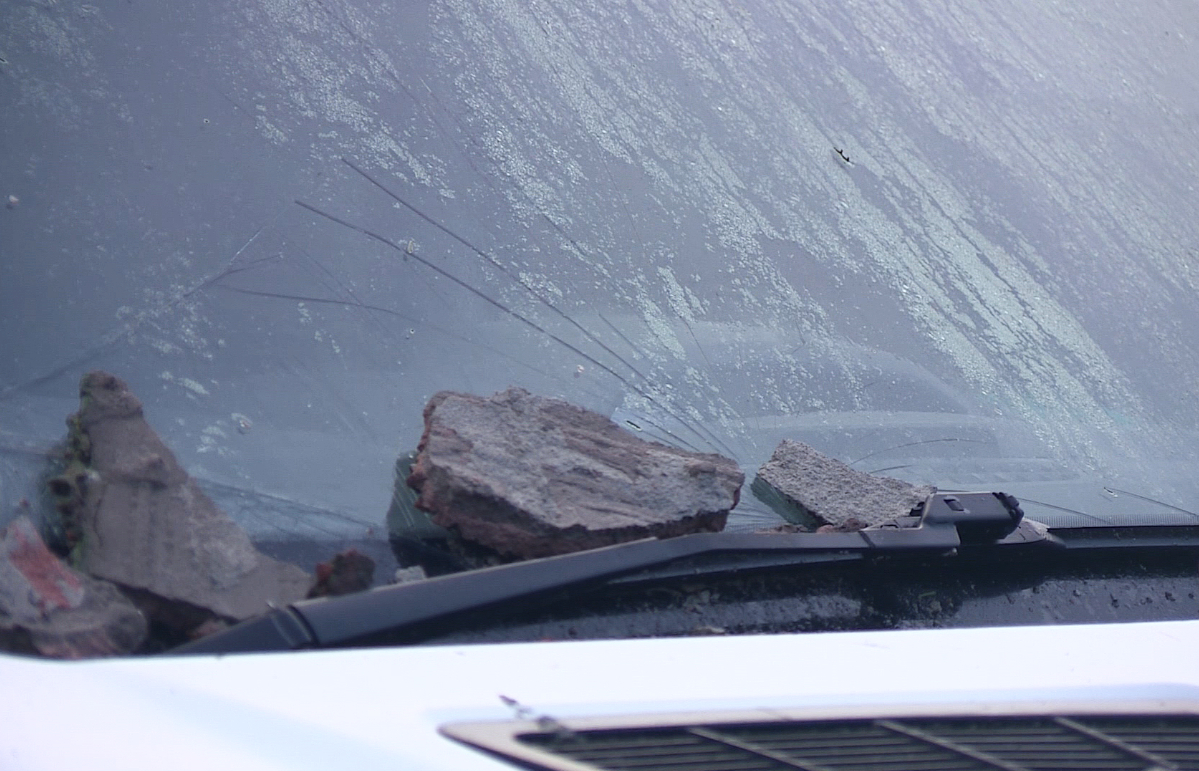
(830, 492)
(135, 517)
(530, 476)
(47, 608)
(348, 572)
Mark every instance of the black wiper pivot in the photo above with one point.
(978, 518)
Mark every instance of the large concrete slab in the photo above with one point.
(531, 476)
(135, 517)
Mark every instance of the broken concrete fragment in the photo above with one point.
(851, 525)
(136, 518)
(47, 608)
(828, 491)
(409, 575)
(348, 572)
(531, 477)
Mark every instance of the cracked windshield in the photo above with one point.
(244, 244)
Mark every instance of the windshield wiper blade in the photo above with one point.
(941, 525)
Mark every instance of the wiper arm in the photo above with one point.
(942, 524)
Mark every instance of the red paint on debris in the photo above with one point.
(51, 580)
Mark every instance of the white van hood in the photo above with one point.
(382, 708)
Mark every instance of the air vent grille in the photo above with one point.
(1135, 743)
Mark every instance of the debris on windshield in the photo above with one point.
(348, 572)
(811, 488)
(408, 575)
(133, 516)
(851, 525)
(529, 476)
(47, 608)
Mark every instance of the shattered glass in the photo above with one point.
(947, 242)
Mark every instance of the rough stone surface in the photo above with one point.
(133, 516)
(47, 608)
(348, 572)
(832, 493)
(409, 575)
(530, 476)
